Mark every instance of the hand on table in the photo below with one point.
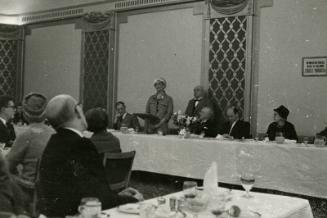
(132, 192)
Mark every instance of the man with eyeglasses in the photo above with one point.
(7, 112)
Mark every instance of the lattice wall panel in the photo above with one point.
(96, 51)
(8, 66)
(227, 56)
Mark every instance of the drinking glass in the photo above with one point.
(189, 185)
(247, 181)
(189, 189)
(306, 141)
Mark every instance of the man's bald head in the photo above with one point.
(199, 91)
(60, 110)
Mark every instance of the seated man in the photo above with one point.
(124, 119)
(281, 125)
(7, 112)
(206, 125)
(29, 146)
(234, 127)
(104, 141)
(71, 168)
(199, 101)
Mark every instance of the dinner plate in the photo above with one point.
(129, 208)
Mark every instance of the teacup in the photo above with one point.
(280, 139)
(90, 208)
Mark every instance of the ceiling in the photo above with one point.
(15, 7)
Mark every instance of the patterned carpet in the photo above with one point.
(154, 185)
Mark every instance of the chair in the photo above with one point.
(118, 167)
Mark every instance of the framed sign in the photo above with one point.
(314, 66)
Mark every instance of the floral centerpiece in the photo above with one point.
(183, 122)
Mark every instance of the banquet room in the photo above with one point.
(163, 109)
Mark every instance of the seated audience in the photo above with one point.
(124, 119)
(281, 125)
(28, 146)
(71, 168)
(104, 141)
(206, 124)
(7, 111)
(234, 127)
(11, 197)
(161, 106)
(199, 101)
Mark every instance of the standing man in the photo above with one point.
(161, 106)
(71, 168)
(199, 101)
(7, 112)
(234, 127)
(124, 119)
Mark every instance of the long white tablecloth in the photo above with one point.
(285, 167)
(269, 206)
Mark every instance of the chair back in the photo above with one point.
(118, 167)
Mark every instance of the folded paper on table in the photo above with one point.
(145, 116)
(210, 181)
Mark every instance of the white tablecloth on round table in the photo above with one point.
(286, 167)
(269, 206)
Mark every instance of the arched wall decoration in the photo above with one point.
(228, 7)
(11, 43)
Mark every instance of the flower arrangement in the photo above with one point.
(183, 122)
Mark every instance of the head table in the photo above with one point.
(267, 205)
(293, 168)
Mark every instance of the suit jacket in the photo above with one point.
(193, 111)
(71, 169)
(7, 133)
(288, 131)
(209, 128)
(323, 133)
(106, 142)
(129, 121)
(240, 129)
(163, 109)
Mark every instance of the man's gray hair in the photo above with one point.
(60, 110)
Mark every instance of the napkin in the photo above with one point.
(210, 181)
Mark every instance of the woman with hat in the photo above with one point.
(161, 106)
(29, 145)
(281, 125)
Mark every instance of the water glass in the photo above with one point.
(189, 185)
(247, 181)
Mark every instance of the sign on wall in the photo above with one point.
(314, 66)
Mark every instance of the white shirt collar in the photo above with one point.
(124, 115)
(3, 121)
(75, 131)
